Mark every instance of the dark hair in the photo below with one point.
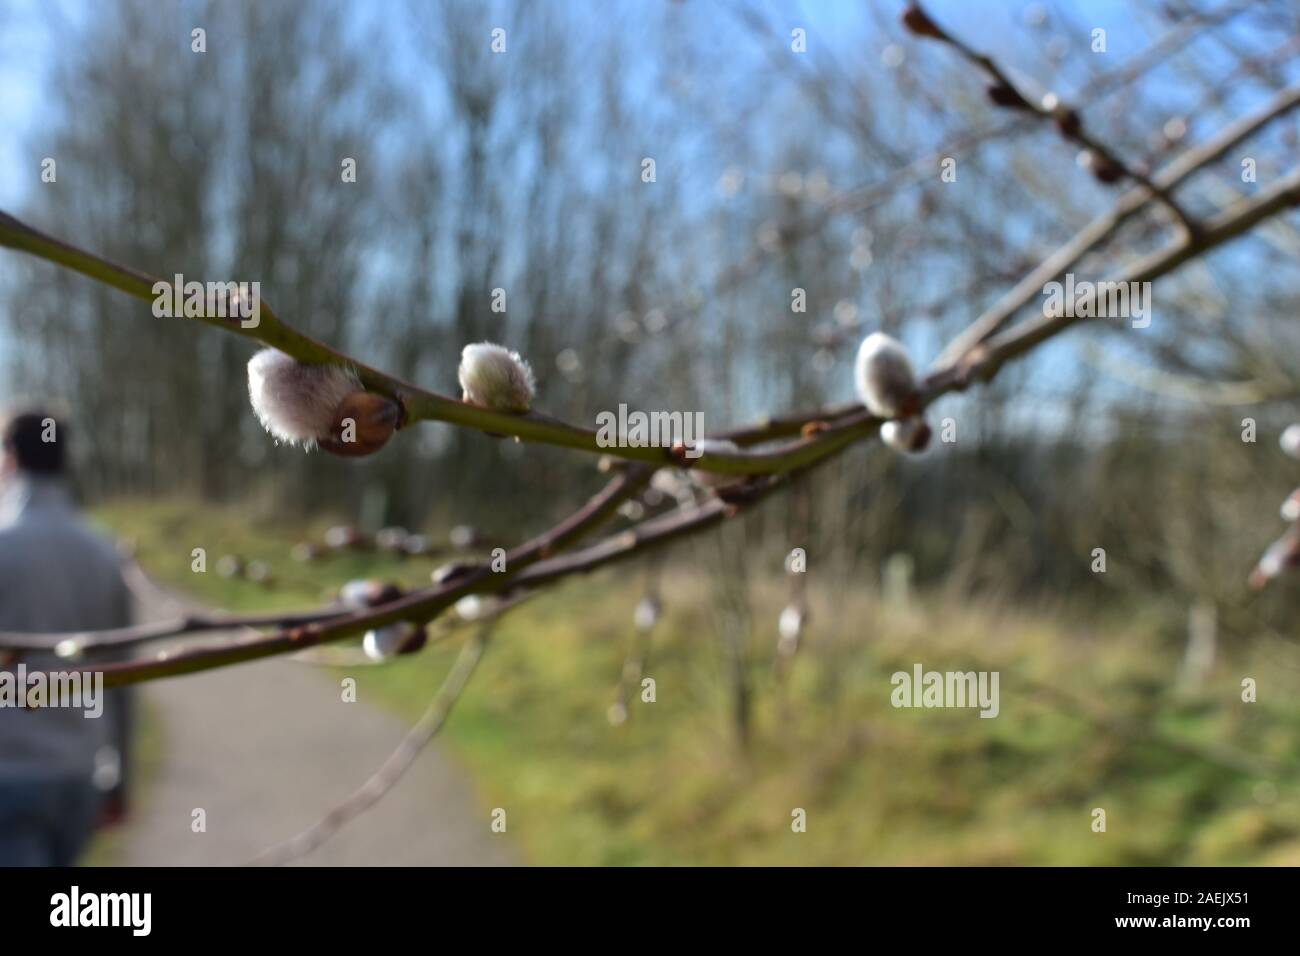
(36, 440)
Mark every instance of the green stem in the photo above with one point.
(420, 404)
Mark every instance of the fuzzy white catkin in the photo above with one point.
(1290, 441)
(790, 624)
(471, 607)
(495, 377)
(391, 539)
(358, 594)
(671, 483)
(1275, 559)
(294, 401)
(906, 434)
(647, 613)
(385, 643)
(883, 375)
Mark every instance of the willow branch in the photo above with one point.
(983, 362)
(862, 198)
(418, 607)
(1187, 388)
(597, 510)
(1007, 93)
(980, 365)
(197, 623)
(418, 404)
(1105, 225)
(423, 606)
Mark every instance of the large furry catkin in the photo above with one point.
(294, 401)
(495, 377)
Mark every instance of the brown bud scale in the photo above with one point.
(1005, 95)
(368, 419)
(919, 22)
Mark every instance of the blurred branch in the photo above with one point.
(197, 623)
(921, 169)
(422, 606)
(1107, 166)
(1186, 388)
(399, 761)
(983, 361)
(418, 607)
(975, 356)
(1104, 226)
(979, 365)
(418, 404)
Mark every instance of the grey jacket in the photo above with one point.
(55, 575)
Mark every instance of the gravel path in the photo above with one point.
(265, 749)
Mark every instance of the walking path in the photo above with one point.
(265, 749)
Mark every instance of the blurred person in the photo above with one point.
(55, 575)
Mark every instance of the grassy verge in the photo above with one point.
(1089, 718)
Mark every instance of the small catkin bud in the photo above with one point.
(790, 624)
(908, 434)
(356, 594)
(294, 401)
(809, 429)
(392, 540)
(1068, 122)
(1004, 94)
(715, 446)
(672, 484)
(387, 642)
(1282, 554)
(919, 22)
(446, 573)
(230, 566)
(342, 537)
(367, 592)
(1290, 441)
(259, 572)
(1103, 169)
(463, 537)
(417, 545)
(473, 608)
(884, 377)
(496, 378)
(647, 613)
(1291, 507)
(362, 424)
(305, 552)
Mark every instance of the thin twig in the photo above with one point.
(982, 362)
(203, 622)
(1007, 93)
(1106, 225)
(418, 404)
(980, 365)
(399, 761)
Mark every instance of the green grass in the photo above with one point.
(879, 785)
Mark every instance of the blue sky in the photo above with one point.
(30, 41)
(30, 37)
